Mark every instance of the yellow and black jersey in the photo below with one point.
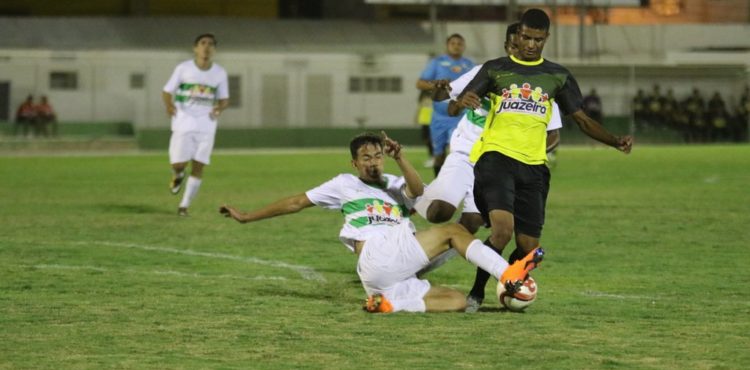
(522, 94)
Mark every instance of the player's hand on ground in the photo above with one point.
(392, 147)
(625, 144)
(229, 211)
(469, 100)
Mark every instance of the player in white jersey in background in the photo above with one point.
(376, 208)
(455, 183)
(195, 95)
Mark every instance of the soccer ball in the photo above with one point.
(522, 299)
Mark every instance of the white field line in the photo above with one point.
(595, 294)
(307, 273)
(156, 272)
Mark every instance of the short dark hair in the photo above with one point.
(536, 19)
(512, 29)
(202, 35)
(455, 35)
(362, 140)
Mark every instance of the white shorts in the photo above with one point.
(454, 183)
(388, 264)
(464, 136)
(184, 146)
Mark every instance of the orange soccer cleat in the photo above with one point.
(377, 303)
(516, 274)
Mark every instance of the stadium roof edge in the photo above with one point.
(233, 34)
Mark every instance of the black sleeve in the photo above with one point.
(569, 97)
(482, 83)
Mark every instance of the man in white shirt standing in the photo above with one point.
(194, 96)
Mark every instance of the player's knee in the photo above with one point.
(440, 211)
(500, 236)
(471, 221)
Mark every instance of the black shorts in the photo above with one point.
(503, 183)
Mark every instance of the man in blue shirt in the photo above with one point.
(448, 66)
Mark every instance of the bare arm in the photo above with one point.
(597, 132)
(414, 184)
(425, 85)
(281, 207)
(553, 140)
(168, 103)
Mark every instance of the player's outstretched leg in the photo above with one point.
(476, 295)
(438, 261)
(516, 274)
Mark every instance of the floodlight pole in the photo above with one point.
(556, 38)
(581, 20)
(434, 26)
(510, 14)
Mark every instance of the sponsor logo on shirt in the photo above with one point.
(196, 94)
(524, 100)
(383, 213)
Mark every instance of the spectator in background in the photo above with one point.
(25, 117)
(424, 116)
(448, 66)
(695, 107)
(742, 116)
(639, 109)
(654, 107)
(669, 110)
(718, 118)
(592, 106)
(46, 117)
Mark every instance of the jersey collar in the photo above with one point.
(534, 63)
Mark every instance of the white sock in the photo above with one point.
(408, 305)
(191, 188)
(486, 259)
(178, 174)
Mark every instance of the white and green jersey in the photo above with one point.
(195, 92)
(472, 123)
(368, 210)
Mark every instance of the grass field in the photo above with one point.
(647, 268)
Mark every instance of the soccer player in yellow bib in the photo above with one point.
(511, 178)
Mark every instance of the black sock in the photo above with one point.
(516, 255)
(480, 280)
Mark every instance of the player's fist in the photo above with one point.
(625, 144)
(391, 147)
(469, 100)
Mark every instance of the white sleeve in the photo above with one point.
(328, 195)
(555, 122)
(223, 92)
(174, 80)
(458, 85)
(397, 185)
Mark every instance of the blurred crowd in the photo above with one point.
(697, 119)
(35, 119)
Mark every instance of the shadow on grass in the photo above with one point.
(133, 209)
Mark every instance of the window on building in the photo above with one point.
(375, 84)
(63, 80)
(137, 81)
(235, 91)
